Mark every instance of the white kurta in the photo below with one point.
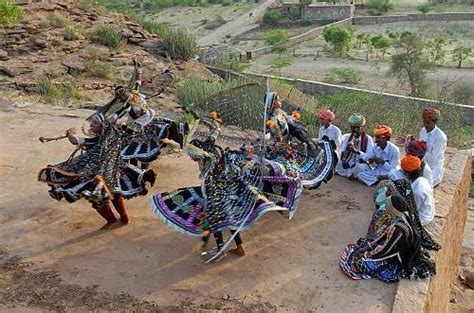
(333, 133)
(398, 174)
(434, 156)
(425, 204)
(354, 163)
(391, 156)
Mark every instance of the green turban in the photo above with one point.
(356, 120)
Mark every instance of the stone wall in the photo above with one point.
(451, 211)
(319, 88)
(318, 12)
(315, 32)
(214, 54)
(372, 20)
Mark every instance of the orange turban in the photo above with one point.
(410, 163)
(271, 124)
(382, 131)
(327, 115)
(431, 114)
(296, 115)
(213, 115)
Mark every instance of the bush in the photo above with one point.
(55, 94)
(71, 33)
(424, 8)
(98, 69)
(108, 36)
(342, 75)
(226, 3)
(339, 38)
(151, 26)
(180, 44)
(379, 7)
(271, 17)
(10, 13)
(57, 20)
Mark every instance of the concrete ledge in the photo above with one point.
(448, 226)
(319, 88)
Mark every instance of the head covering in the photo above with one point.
(356, 120)
(415, 147)
(431, 114)
(382, 131)
(327, 115)
(213, 115)
(271, 124)
(410, 163)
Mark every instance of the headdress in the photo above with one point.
(415, 147)
(327, 115)
(410, 163)
(356, 120)
(431, 114)
(382, 131)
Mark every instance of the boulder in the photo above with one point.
(469, 280)
(41, 43)
(74, 67)
(3, 55)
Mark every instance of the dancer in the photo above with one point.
(436, 141)
(394, 254)
(99, 173)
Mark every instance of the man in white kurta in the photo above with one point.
(436, 141)
(328, 130)
(422, 190)
(355, 145)
(416, 148)
(384, 157)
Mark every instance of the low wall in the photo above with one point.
(296, 39)
(448, 227)
(318, 12)
(319, 88)
(214, 54)
(372, 20)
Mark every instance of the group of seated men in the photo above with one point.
(371, 160)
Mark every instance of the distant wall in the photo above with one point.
(315, 32)
(373, 20)
(319, 88)
(214, 54)
(318, 12)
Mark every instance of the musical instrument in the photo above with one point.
(348, 154)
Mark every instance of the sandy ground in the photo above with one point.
(53, 257)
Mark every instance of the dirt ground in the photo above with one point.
(53, 257)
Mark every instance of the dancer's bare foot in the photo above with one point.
(238, 251)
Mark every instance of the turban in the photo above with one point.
(416, 147)
(327, 115)
(410, 163)
(357, 120)
(382, 131)
(431, 114)
(271, 124)
(213, 115)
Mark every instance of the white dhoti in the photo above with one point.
(352, 171)
(370, 177)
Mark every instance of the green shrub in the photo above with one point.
(379, 7)
(151, 26)
(98, 68)
(271, 17)
(226, 3)
(107, 35)
(180, 44)
(55, 94)
(56, 20)
(424, 8)
(10, 13)
(343, 75)
(71, 33)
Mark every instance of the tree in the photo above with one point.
(339, 38)
(461, 53)
(280, 63)
(379, 7)
(437, 51)
(279, 40)
(271, 17)
(381, 43)
(409, 62)
(367, 42)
